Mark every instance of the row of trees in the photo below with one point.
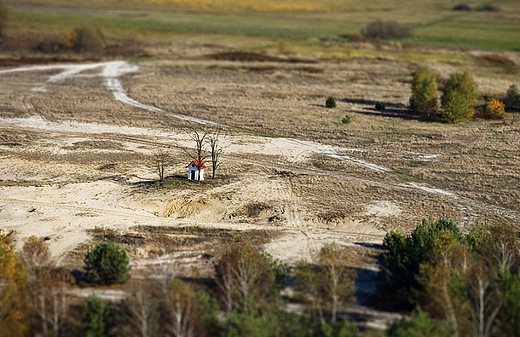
(471, 281)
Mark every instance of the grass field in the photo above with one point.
(433, 21)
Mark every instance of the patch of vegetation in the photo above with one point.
(380, 106)
(84, 40)
(386, 30)
(330, 102)
(459, 97)
(512, 100)
(424, 99)
(174, 182)
(495, 109)
(4, 15)
(107, 264)
(346, 120)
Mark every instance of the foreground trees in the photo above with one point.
(424, 99)
(468, 280)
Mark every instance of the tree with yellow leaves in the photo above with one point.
(14, 309)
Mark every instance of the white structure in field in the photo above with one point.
(193, 170)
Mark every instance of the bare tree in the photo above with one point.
(161, 160)
(143, 314)
(330, 283)
(182, 315)
(199, 154)
(216, 151)
(485, 300)
(36, 255)
(50, 294)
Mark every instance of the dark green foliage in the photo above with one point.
(97, 318)
(4, 14)
(343, 329)
(508, 319)
(380, 106)
(209, 310)
(386, 30)
(107, 264)
(331, 102)
(419, 325)
(400, 264)
(346, 119)
(280, 271)
(512, 100)
(459, 97)
(424, 93)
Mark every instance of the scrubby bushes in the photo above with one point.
(84, 40)
(424, 99)
(330, 102)
(346, 120)
(512, 100)
(386, 30)
(458, 99)
(107, 264)
(495, 109)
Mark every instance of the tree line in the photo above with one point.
(453, 283)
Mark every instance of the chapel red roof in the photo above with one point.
(196, 162)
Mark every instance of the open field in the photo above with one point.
(434, 22)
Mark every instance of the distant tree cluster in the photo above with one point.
(386, 30)
(4, 14)
(84, 40)
(458, 97)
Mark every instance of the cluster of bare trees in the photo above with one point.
(207, 145)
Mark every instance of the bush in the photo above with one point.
(386, 30)
(458, 97)
(462, 7)
(84, 40)
(107, 264)
(331, 102)
(419, 325)
(512, 100)
(346, 119)
(495, 109)
(380, 106)
(424, 93)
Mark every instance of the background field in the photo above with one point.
(298, 21)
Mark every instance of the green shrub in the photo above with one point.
(512, 100)
(458, 99)
(107, 264)
(84, 40)
(386, 30)
(346, 119)
(400, 263)
(331, 102)
(419, 325)
(97, 317)
(380, 106)
(424, 93)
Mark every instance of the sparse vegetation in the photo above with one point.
(459, 97)
(386, 30)
(84, 40)
(512, 100)
(107, 264)
(346, 120)
(330, 102)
